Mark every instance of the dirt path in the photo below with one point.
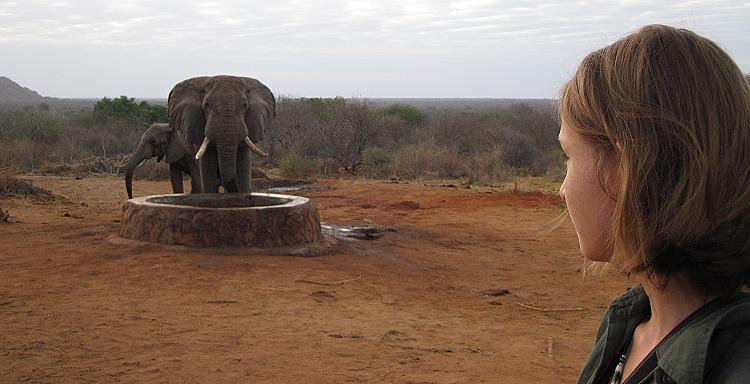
(79, 305)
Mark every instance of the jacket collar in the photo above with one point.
(685, 361)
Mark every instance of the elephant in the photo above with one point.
(160, 141)
(223, 116)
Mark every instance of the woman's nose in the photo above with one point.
(562, 190)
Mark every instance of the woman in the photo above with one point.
(656, 129)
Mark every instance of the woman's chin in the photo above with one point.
(597, 254)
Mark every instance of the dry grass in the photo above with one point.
(13, 187)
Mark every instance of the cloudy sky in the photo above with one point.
(385, 48)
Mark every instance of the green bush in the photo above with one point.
(376, 162)
(295, 166)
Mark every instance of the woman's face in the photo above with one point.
(590, 207)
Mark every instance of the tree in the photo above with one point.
(122, 107)
(352, 126)
(153, 113)
(125, 108)
(409, 114)
(323, 108)
(291, 129)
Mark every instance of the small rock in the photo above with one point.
(495, 292)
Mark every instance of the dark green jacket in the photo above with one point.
(715, 349)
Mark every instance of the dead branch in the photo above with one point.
(549, 309)
(551, 347)
(327, 282)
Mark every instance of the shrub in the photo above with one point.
(103, 165)
(428, 160)
(411, 161)
(296, 166)
(376, 162)
(55, 169)
(519, 150)
(23, 155)
(487, 168)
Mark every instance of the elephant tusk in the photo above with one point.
(254, 147)
(202, 149)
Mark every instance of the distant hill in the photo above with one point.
(10, 91)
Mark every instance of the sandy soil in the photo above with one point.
(80, 305)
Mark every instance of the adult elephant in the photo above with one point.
(224, 116)
(161, 141)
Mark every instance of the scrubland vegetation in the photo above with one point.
(310, 137)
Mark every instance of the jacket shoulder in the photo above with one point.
(728, 359)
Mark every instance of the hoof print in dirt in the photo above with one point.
(396, 336)
(321, 296)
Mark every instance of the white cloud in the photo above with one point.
(495, 48)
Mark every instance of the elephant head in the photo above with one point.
(161, 141)
(223, 113)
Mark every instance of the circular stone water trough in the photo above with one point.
(210, 220)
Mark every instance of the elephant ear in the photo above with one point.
(177, 148)
(186, 110)
(261, 108)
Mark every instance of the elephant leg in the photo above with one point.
(196, 185)
(175, 176)
(244, 161)
(210, 170)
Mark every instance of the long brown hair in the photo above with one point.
(677, 108)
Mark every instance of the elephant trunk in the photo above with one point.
(138, 156)
(226, 148)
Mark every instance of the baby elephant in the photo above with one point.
(159, 141)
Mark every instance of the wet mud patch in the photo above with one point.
(359, 232)
(279, 185)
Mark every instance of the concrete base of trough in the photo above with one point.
(211, 220)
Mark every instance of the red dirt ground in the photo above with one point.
(80, 305)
